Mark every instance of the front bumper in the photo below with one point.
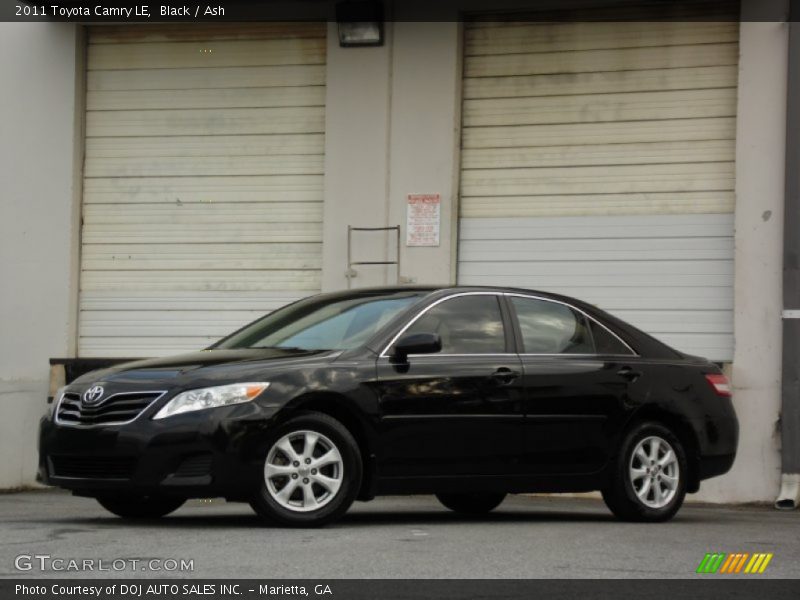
(217, 452)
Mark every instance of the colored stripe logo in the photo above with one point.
(734, 563)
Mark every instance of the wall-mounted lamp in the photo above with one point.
(360, 23)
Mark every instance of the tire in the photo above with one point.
(304, 486)
(640, 489)
(478, 503)
(141, 507)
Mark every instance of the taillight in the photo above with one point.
(720, 384)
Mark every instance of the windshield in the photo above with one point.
(323, 322)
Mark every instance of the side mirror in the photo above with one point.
(416, 343)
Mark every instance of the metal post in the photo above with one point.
(789, 496)
(397, 255)
(349, 272)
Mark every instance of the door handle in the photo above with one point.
(629, 374)
(504, 375)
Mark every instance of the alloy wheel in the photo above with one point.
(654, 472)
(304, 471)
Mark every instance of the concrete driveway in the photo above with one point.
(413, 537)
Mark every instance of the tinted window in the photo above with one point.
(323, 322)
(551, 328)
(606, 342)
(466, 324)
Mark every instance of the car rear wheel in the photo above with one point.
(140, 507)
(312, 472)
(472, 503)
(648, 479)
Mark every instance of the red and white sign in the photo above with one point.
(423, 218)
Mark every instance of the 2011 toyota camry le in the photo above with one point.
(466, 393)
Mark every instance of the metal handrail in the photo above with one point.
(350, 273)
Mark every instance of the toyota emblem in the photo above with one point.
(93, 394)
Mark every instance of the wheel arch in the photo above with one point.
(681, 428)
(337, 406)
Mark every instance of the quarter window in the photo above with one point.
(466, 324)
(606, 342)
(551, 328)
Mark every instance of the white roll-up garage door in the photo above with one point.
(598, 161)
(202, 181)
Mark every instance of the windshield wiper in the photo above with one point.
(287, 348)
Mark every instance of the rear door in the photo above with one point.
(574, 395)
(459, 411)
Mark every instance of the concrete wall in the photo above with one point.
(424, 147)
(392, 128)
(356, 159)
(38, 225)
(758, 258)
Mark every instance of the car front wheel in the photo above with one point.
(140, 507)
(472, 503)
(311, 474)
(648, 478)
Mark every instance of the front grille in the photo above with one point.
(93, 467)
(119, 408)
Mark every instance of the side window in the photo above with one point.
(551, 328)
(466, 324)
(606, 342)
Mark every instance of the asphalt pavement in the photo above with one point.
(395, 537)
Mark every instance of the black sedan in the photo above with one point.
(466, 393)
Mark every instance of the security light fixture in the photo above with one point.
(360, 23)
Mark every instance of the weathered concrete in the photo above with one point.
(756, 370)
(39, 216)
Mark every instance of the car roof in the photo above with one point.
(449, 289)
(441, 288)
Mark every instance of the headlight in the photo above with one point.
(211, 397)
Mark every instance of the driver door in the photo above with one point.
(458, 411)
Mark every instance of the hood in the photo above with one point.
(229, 364)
